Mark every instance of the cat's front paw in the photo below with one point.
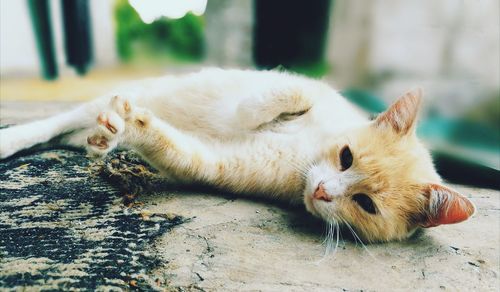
(109, 128)
(121, 122)
(106, 134)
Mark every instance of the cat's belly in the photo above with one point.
(230, 129)
(227, 127)
(233, 104)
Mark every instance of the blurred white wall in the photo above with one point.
(17, 46)
(450, 48)
(228, 32)
(18, 52)
(103, 31)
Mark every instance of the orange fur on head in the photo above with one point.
(398, 175)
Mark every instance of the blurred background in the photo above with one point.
(373, 51)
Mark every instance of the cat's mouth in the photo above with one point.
(318, 202)
(308, 201)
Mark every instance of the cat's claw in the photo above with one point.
(102, 119)
(110, 123)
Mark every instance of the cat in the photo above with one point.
(270, 134)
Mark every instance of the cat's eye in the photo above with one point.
(345, 158)
(365, 202)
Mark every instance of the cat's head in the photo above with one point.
(381, 181)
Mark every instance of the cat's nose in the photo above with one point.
(320, 194)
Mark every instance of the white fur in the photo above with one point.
(221, 117)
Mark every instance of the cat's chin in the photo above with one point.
(308, 202)
(315, 207)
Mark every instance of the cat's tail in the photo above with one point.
(16, 138)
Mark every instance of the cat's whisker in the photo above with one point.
(326, 241)
(306, 165)
(341, 237)
(332, 228)
(300, 166)
(329, 238)
(338, 234)
(356, 236)
(294, 164)
(326, 235)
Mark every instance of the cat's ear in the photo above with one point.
(402, 115)
(445, 206)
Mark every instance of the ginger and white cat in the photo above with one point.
(269, 134)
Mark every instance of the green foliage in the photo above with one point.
(314, 70)
(181, 39)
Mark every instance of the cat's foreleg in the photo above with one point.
(19, 137)
(73, 127)
(163, 146)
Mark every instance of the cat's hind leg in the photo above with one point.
(277, 104)
(19, 137)
(70, 128)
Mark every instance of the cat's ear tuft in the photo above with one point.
(402, 115)
(445, 206)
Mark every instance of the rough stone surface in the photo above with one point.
(233, 243)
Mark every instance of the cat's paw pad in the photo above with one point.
(121, 106)
(141, 118)
(105, 135)
(98, 146)
(98, 141)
